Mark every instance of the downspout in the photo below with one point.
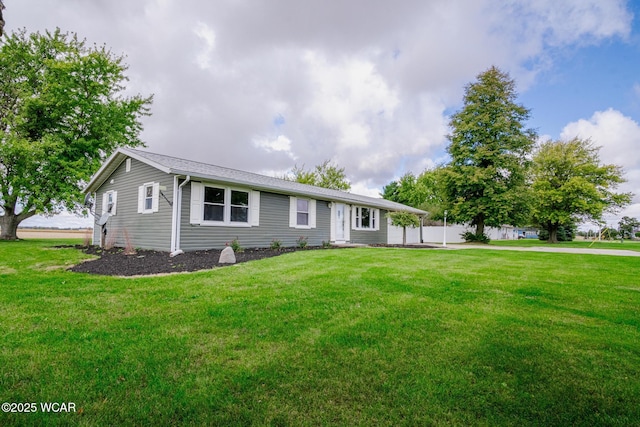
(177, 216)
(95, 204)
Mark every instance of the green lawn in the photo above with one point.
(604, 244)
(339, 337)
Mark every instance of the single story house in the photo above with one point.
(152, 201)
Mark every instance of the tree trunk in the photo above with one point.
(553, 234)
(9, 223)
(404, 236)
(480, 227)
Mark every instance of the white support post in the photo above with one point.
(444, 237)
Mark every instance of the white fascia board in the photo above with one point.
(107, 169)
(112, 163)
(143, 159)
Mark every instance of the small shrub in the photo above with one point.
(638, 234)
(566, 233)
(86, 239)
(110, 239)
(611, 234)
(276, 244)
(326, 245)
(128, 245)
(302, 242)
(235, 245)
(470, 236)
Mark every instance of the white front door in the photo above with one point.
(339, 222)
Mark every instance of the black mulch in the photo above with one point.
(114, 262)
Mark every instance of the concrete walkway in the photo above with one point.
(587, 251)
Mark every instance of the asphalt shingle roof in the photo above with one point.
(199, 170)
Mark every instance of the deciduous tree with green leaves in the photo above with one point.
(489, 146)
(423, 191)
(570, 185)
(404, 220)
(627, 225)
(62, 111)
(326, 175)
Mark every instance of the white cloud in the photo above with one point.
(618, 135)
(281, 143)
(632, 211)
(204, 32)
(569, 21)
(364, 189)
(619, 138)
(348, 96)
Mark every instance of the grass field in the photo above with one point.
(343, 337)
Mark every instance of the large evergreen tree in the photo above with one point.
(61, 113)
(489, 147)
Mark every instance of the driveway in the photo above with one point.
(590, 251)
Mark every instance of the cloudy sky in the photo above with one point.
(266, 85)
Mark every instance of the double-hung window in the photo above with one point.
(225, 205)
(109, 201)
(148, 194)
(302, 212)
(239, 206)
(148, 197)
(213, 204)
(366, 218)
(219, 205)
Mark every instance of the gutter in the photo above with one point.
(332, 195)
(177, 215)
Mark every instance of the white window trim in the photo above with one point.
(197, 206)
(356, 218)
(293, 213)
(154, 198)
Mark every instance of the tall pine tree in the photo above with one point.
(485, 182)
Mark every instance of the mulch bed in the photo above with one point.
(420, 246)
(114, 262)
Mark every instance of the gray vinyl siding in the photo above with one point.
(274, 225)
(372, 237)
(146, 231)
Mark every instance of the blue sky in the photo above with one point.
(368, 84)
(584, 80)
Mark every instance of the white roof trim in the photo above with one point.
(142, 159)
(203, 171)
(112, 163)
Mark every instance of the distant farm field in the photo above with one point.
(362, 336)
(47, 233)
